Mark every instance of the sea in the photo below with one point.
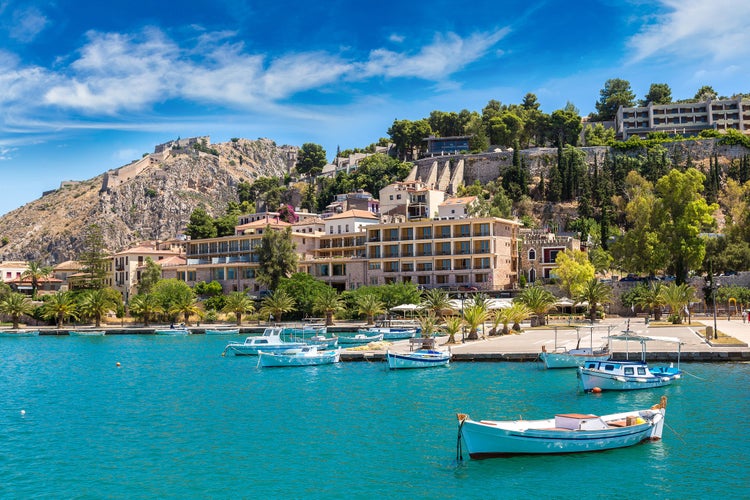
(143, 416)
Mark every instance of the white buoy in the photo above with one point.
(23, 412)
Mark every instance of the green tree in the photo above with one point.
(686, 216)
(15, 305)
(173, 294)
(539, 301)
(616, 93)
(564, 127)
(36, 272)
(706, 92)
(677, 297)
(201, 225)
(311, 158)
(328, 303)
(146, 306)
(93, 258)
(658, 93)
(60, 307)
(370, 305)
(506, 128)
(574, 270)
(97, 303)
(452, 326)
(275, 305)
(187, 305)
(598, 135)
(408, 136)
(437, 302)
(595, 293)
(396, 294)
(238, 303)
(475, 315)
(652, 298)
(150, 276)
(277, 257)
(303, 288)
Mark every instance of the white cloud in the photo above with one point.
(715, 30)
(27, 23)
(437, 61)
(396, 38)
(5, 153)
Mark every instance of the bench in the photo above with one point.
(421, 343)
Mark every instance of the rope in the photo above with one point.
(459, 449)
(675, 432)
(696, 376)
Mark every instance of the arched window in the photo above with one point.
(532, 275)
(532, 254)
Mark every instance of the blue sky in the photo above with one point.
(88, 86)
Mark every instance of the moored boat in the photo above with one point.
(19, 333)
(308, 355)
(627, 375)
(86, 333)
(422, 358)
(390, 332)
(565, 433)
(222, 331)
(173, 331)
(360, 338)
(572, 358)
(269, 341)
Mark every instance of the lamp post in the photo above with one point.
(714, 286)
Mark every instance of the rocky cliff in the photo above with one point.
(148, 199)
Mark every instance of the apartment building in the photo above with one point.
(685, 119)
(410, 200)
(469, 253)
(128, 264)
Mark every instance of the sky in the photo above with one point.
(90, 86)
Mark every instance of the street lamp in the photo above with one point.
(714, 286)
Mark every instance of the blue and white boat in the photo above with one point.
(269, 341)
(359, 339)
(422, 358)
(222, 331)
(173, 331)
(627, 375)
(313, 334)
(19, 333)
(560, 357)
(565, 433)
(86, 333)
(308, 355)
(391, 332)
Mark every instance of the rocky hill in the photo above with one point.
(151, 198)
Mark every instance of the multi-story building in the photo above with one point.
(12, 269)
(683, 118)
(410, 200)
(456, 208)
(129, 263)
(539, 249)
(476, 253)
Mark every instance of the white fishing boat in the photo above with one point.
(626, 375)
(269, 341)
(565, 433)
(422, 358)
(308, 355)
(173, 331)
(222, 331)
(561, 357)
(360, 338)
(86, 333)
(390, 332)
(313, 334)
(19, 333)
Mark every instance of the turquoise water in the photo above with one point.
(177, 420)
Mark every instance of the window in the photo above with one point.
(628, 370)
(641, 370)
(532, 254)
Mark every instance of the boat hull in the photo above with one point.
(360, 339)
(234, 331)
(427, 359)
(173, 332)
(27, 333)
(240, 349)
(487, 439)
(280, 360)
(84, 333)
(590, 379)
(390, 333)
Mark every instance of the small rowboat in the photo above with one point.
(228, 331)
(565, 433)
(19, 333)
(86, 333)
(360, 338)
(303, 356)
(422, 358)
(173, 331)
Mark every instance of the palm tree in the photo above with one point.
(428, 323)
(677, 297)
(186, 305)
(452, 326)
(97, 303)
(539, 300)
(594, 292)
(60, 306)
(517, 313)
(329, 303)
(652, 298)
(15, 305)
(437, 302)
(239, 303)
(36, 272)
(474, 316)
(146, 305)
(370, 305)
(501, 316)
(276, 304)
